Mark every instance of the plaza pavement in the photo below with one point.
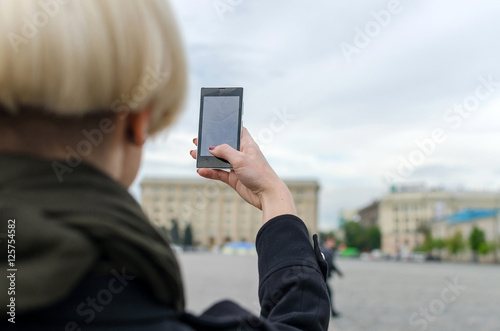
(378, 295)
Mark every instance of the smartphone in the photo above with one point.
(221, 111)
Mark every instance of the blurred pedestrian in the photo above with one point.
(328, 251)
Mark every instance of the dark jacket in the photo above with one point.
(292, 290)
(292, 295)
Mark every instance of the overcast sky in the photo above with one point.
(342, 91)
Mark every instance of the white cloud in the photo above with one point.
(353, 120)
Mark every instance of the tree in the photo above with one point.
(455, 243)
(353, 234)
(365, 239)
(374, 238)
(425, 230)
(427, 245)
(485, 248)
(476, 239)
(174, 232)
(188, 235)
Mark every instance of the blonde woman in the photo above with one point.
(83, 84)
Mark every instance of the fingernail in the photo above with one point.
(212, 147)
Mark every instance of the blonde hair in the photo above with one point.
(79, 57)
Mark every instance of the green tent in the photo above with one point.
(350, 252)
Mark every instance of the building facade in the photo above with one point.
(402, 215)
(368, 216)
(487, 220)
(215, 212)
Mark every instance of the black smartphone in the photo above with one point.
(221, 111)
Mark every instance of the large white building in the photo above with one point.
(216, 213)
(402, 214)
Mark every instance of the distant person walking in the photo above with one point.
(328, 251)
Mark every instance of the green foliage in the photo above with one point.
(374, 238)
(439, 243)
(456, 243)
(485, 248)
(174, 232)
(188, 235)
(365, 239)
(477, 239)
(353, 234)
(428, 243)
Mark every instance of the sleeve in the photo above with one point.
(292, 289)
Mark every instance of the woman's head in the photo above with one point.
(70, 60)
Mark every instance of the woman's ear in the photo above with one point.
(138, 126)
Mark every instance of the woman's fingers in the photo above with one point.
(227, 153)
(193, 153)
(216, 174)
(195, 141)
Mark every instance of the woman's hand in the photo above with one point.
(251, 177)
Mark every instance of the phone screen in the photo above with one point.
(220, 122)
(221, 110)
